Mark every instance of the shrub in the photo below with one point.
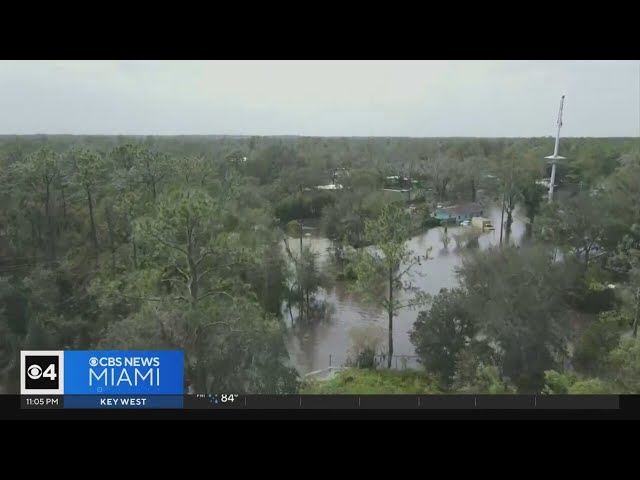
(365, 347)
(597, 340)
(430, 222)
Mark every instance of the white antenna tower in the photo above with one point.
(554, 158)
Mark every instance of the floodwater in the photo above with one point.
(324, 343)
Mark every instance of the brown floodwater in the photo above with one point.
(314, 347)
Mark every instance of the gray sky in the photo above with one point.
(335, 98)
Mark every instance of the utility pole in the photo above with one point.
(300, 272)
(502, 217)
(509, 216)
(637, 312)
(554, 158)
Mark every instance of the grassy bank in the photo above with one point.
(355, 381)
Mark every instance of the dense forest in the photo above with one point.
(177, 243)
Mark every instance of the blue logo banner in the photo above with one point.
(123, 372)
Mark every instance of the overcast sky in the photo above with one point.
(334, 98)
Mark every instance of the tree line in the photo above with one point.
(176, 242)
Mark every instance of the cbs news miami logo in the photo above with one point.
(101, 372)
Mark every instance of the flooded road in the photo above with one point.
(313, 347)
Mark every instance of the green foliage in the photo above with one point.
(579, 226)
(532, 194)
(591, 296)
(622, 194)
(365, 381)
(347, 272)
(151, 169)
(626, 261)
(548, 227)
(220, 329)
(267, 274)
(269, 162)
(568, 384)
(389, 264)
(124, 156)
(14, 300)
(625, 362)
(345, 220)
(595, 161)
(557, 383)
(597, 340)
(441, 333)
(366, 343)
(488, 380)
(389, 233)
(516, 298)
(366, 358)
(228, 344)
(362, 180)
(309, 277)
(304, 205)
(100, 237)
(626, 257)
(89, 168)
(592, 386)
(430, 222)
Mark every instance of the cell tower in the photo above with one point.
(554, 158)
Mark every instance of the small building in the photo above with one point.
(458, 213)
(546, 183)
(339, 172)
(331, 186)
(397, 183)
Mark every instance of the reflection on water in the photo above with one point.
(312, 347)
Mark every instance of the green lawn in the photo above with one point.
(354, 381)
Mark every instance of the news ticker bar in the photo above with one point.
(324, 402)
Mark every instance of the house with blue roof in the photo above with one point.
(458, 213)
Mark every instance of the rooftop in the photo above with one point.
(397, 177)
(462, 209)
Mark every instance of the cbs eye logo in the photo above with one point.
(41, 372)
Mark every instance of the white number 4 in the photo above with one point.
(50, 372)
